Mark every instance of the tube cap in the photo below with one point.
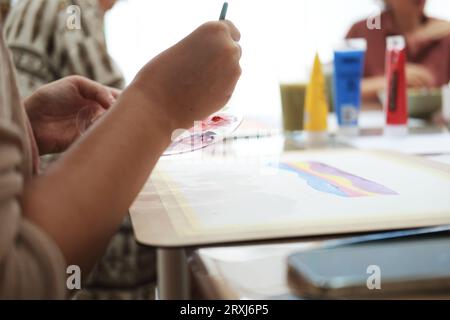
(396, 131)
(395, 43)
(316, 139)
(353, 44)
(348, 132)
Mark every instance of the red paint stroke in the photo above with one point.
(215, 122)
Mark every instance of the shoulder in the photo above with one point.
(445, 26)
(365, 27)
(372, 25)
(358, 29)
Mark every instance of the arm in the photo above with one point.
(434, 30)
(95, 182)
(417, 76)
(31, 266)
(80, 201)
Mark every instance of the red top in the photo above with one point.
(434, 54)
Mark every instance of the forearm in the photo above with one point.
(371, 87)
(82, 199)
(415, 44)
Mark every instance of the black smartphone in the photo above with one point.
(386, 269)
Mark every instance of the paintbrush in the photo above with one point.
(223, 13)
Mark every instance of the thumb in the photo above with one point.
(87, 116)
(95, 92)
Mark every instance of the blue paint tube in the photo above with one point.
(348, 73)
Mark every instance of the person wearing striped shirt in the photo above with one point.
(46, 49)
(64, 217)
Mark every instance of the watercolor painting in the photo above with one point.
(327, 179)
(205, 133)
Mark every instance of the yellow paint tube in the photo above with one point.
(316, 106)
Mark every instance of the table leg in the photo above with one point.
(173, 274)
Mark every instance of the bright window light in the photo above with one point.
(279, 37)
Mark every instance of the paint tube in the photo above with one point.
(348, 72)
(396, 103)
(316, 108)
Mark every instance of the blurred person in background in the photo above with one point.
(45, 50)
(427, 41)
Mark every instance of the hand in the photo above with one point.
(433, 30)
(438, 119)
(194, 78)
(418, 76)
(59, 112)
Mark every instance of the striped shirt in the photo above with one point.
(46, 48)
(31, 264)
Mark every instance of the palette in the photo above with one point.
(204, 133)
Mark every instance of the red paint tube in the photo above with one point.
(396, 104)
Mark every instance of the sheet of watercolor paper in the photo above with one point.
(320, 190)
(445, 159)
(412, 144)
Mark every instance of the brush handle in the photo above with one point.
(223, 13)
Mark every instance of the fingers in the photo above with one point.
(428, 79)
(239, 48)
(235, 34)
(419, 76)
(418, 82)
(115, 92)
(439, 119)
(95, 92)
(434, 30)
(225, 30)
(87, 116)
(425, 76)
(415, 82)
(424, 81)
